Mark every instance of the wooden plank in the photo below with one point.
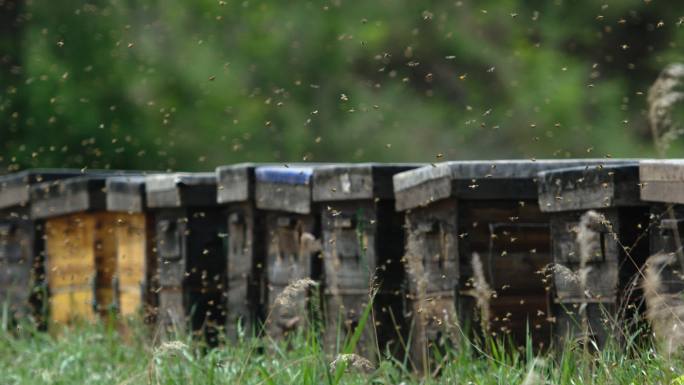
(181, 190)
(15, 187)
(664, 170)
(69, 196)
(663, 191)
(104, 246)
(356, 181)
(478, 180)
(131, 259)
(71, 267)
(582, 188)
(235, 183)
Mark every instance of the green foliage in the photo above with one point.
(189, 85)
(97, 354)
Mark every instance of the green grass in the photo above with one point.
(96, 354)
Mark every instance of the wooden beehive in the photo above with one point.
(192, 269)
(362, 247)
(662, 185)
(136, 261)
(292, 241)
(599, 238)
(457, 209)
(80, 247)
(246, 248)
(22, 273)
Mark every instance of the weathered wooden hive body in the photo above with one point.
(136, 262)
(455, 210)
(80, 246)
(662, 184)
(292, 242)
(599, 242)
(246, 248)
(362, 244)
(189, 228)
(22, 272)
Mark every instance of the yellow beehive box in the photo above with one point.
(83, 271)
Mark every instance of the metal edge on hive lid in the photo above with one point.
(22, 270)
(475, 241)
(362, 247)
(292, 242)
(245, 248)
(189, 227)
(599, 241)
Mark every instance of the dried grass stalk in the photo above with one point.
(663, 95)
(481, 292)
(533, 377)
(288, 297)
(665, 310)
(352, 361)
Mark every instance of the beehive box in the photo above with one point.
(192, 268)
(599, 238)
(22, 273)
(246, 248)
(362, 245)
(457, 209)
(136, 261)
(292, 241)
(80, 247)
(662, 183)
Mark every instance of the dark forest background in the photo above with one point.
(191, 85)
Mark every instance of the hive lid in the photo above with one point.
(284, 188)
(235, 183)
(68, 196)
(356, 181)
(15, 188)
(662, 180)
(126, 193)
(181, 190)
(589, 187)
(477, 180)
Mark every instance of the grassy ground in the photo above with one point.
(96, 354)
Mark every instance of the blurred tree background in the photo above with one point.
(168, 84)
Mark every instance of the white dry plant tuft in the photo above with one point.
(589, 245)
(664, 308)
(352, 361)
(665, 93)
(481, 292)
(171, 347)
(533, 377)
(288, 296)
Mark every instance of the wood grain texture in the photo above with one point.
(496, 179)
(235, 183)
(584, 188)
(355, 181)
(131, 262)
(71, 270)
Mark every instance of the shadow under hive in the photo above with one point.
(456, 209)
(22, 273)
(245, 248)
(80, 247)
(662, 184)
(362, 244)
(596, 255)
(292, 241)
(135, 282)
(191, 262)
